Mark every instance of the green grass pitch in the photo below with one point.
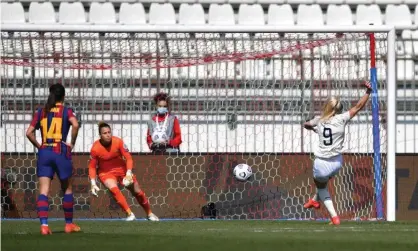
(216, 235)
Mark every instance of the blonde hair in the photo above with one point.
(332, 106)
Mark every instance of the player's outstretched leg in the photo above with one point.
(68, 206)
(313, 202)
(142, 200)
(120, 199)
(326, 198)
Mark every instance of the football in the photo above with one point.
(242, 172)
(159, 137)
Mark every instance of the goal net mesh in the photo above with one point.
(239, 97)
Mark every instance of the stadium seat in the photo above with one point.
(253, 70)
(236, 2)
(211, 1)
(342, 69)
(266, 2)
(250, 14)
(405, 69)
(398, 15)
(309, 15)
(315, 70)
(280, 15)
(221, 70)
(284, 69)
(221, 14)
(357, 2)
(385, 2)
(162, 14)
(362, 67)
(300, 1)
(132, 13)
(339, 15)
(191, 14)
(416, 15)
(180, 1)
(15, 72)
(12, 13)
(411, 42)
(41, 13)
(366, 15)
(325, 2)
(116, 2)
(71, 13)
(102, 13)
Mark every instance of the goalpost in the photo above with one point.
(241, 94)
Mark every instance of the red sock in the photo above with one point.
(143, 201)
(120, 199)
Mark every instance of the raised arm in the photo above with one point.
(74, 127)
(128, 157)
(311, 124)
(30, 132)
(362, 102)
(92, 172)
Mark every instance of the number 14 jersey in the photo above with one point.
(331, 135)
(54, 126)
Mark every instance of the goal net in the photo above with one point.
(239, 97)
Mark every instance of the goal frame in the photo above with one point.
(391, 70)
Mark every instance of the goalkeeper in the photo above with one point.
(164, 134)
(114, 164)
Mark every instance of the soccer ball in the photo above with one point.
(242, 172)
(159, 137)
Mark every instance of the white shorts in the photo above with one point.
(324, 169)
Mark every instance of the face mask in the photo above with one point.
(162, 110)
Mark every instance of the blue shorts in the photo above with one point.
(50, 162)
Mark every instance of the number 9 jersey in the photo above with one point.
(331, 135)
(54, 154)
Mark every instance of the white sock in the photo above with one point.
(316, 197)
(326, 198)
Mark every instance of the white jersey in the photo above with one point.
(331, 135)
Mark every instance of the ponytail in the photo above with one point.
(50, 103)
(56, 94)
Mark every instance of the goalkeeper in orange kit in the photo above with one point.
(114, 164)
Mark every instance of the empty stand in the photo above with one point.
(132, 13)
(41, 13)
(12, 13)
(339, 15)
(406, 70)
(162, 14)
(280, 15)
(398, 15)
(71, 13)
(366, 15)
(325, 2)
(191, 14)
(309, 15)
(221, 14)
(250, 14)
(102, 13)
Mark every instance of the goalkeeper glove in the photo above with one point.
(129, 179)
(94, 188)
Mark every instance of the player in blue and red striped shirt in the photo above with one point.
(54, 154)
